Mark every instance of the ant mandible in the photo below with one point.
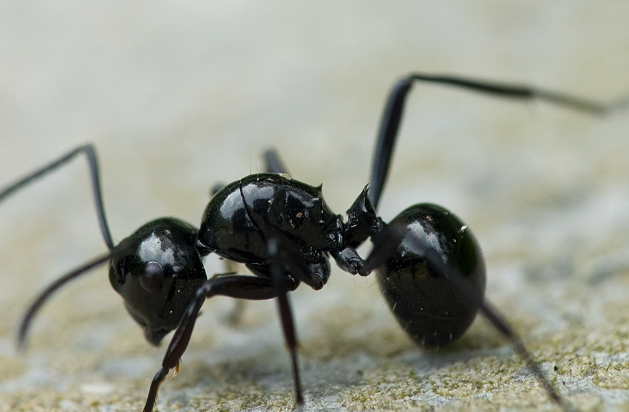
(429, 265)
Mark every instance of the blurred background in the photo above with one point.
(179, 96)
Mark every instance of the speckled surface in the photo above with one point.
(179, 96)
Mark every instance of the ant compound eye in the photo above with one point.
(119, 270)
(152, 278)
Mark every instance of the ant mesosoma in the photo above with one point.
(429, 265)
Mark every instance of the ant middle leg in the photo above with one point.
(280, 260)
(287, 263)
(272, 164)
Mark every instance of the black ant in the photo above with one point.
(428, 263)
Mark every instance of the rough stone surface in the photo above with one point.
(180, 95)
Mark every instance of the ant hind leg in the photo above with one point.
(394, 110)
(394, 235)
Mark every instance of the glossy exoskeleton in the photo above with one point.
(429, 265)
(429, 310)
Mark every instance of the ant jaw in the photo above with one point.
(155, 336)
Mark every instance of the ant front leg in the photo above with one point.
(286, 263)
(280, 260)
(273, 164)
(236, 286)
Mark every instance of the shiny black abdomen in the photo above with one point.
(244, 214)
(427, 306)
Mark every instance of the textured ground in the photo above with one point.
(179, 96)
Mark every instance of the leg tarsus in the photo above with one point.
(299, 397)
(152, 396)
(518, 91)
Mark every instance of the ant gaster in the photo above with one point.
(429, 265)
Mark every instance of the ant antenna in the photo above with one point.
(34, 308)
(92, 162)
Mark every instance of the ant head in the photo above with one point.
(157, 270)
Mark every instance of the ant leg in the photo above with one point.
(235, 314)
(216, 188)
(92, 162)
(273, 165)
(273, 162)
(391, 238)
(394, 109)
(280, 261)
(236, 286)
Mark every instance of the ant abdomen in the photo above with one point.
(417, 288)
